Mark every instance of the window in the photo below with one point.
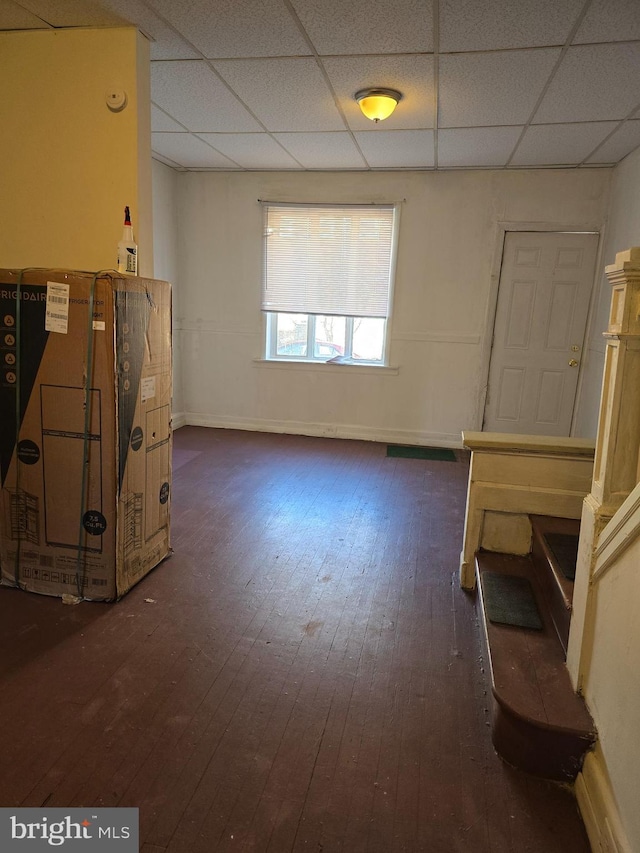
(327, 281)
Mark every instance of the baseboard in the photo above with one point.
(598, 807)
(323, 430)
(178, 419)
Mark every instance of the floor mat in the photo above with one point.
(564, 547)
(509, 600)
(440, 454)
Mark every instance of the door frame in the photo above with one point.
(486, 345)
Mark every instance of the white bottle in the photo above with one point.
(127, 248)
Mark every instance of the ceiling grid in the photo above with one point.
(270, 84)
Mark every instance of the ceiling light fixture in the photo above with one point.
(378, 104)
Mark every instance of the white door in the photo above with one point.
(543, 301)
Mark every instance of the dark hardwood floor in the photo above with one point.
(303, 674)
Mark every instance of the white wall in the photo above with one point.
(612, 690)
(165, 256)
(611, 684)
(447, 252)
(622, 232)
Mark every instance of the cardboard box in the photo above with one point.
(85, 478)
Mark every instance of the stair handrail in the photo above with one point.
(618, 535)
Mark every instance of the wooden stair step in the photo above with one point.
(557, 589)
(539, 723)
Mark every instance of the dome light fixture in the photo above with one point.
(378, 104)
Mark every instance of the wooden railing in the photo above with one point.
(513, 476)
(617, 536)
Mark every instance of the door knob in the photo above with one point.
(573, 362)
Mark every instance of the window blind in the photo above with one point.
(323, 259)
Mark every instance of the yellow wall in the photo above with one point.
(69, 165)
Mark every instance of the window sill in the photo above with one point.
(325, 366)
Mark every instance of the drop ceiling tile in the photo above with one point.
(412, 76)
(610, 20)
(71, 13)
(285, 94)
(593, 83)
(161, 121)
(14, 17)
(251, 150)
(360, 26)
(489, 89)
(188, 151)
(191, 93)
(229, 28)
(388, 149)
(476, 146)
(323, 150)
(155, 155)
(166, 43)
(623, 142)
(497, 24)
(560, 144)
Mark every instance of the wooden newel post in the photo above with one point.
(615, 472)
(617, 459)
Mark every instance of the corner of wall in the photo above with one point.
(145, 205)
(47, 75)
(598, 806)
